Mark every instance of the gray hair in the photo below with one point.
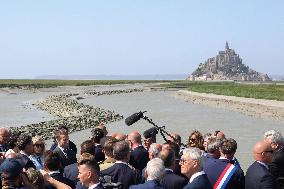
(121, 150)
(274, 136)
(155, 169)
(154, 149)
(193, 153)
(213, 145)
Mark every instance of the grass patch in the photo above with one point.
(271, 91)
(19, 83)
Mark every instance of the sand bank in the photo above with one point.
(265, 109)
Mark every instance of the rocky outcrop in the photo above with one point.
(227, 65)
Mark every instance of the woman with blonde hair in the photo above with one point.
(195, 139)
(39, 149)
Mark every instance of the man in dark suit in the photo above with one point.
(258, 175)
(139, 155)
(191, 167)
(170, 179)
(276, 167)
(66, 153)
(52, 164)
(25, 145)
(89, 174)
(225, 164)
(213, 152)
(154, 172)
(121, 170)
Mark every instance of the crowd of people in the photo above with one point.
(137, 161)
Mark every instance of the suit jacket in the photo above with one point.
(277, 167)
(215, 168)
(205, 160)
(139, 158)
(59, 177)
(70, 157)
(121, 172)
(99, 155)
(71, 145)
(258, 177)
(79, 185)
(71, 172)
(172, 180)
(151, 184)
(200, 182)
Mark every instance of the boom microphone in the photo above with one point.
(133, 118)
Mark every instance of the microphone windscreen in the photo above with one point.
(133, 118)
(150, 132)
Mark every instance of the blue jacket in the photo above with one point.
(200, 182)
(151, 184)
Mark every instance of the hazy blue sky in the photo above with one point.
(63, 37)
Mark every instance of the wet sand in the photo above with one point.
(176, 114)
(264, 109)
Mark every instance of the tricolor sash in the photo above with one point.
(225, 176)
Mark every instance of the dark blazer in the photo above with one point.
(172, 180)
(205, 160)
(120, 172)
(25, 161)
(277, 167)
(69, 159)
(71, 172)
(59, 177)
(79, 185)
(139, 158)
(258, 177)
(200, 182)
(215, 169)
(151, 184)
(71, 145)
(99, 155)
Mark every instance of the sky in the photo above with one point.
(136, 37)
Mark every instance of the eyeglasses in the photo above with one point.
(192, 139)
(39, 145)
(182, 161)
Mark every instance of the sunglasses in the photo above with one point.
(39, 145)
(192, 139)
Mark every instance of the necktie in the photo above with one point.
(39, 160)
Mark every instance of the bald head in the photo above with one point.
(120, 137)
(134, 139)
(262, 151)
(4, 135)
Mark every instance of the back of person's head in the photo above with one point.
(175, 147)
(168, 157)
(97, 135)
(155, 169)
(52, 161)
(85, 156)
(228, 146)
(23, 141)
(213, 145)
(88, 147)
(35, 178)
(121, 150)
(10, 169)
(155, 149)
(12, 142)
(274, 137)
(108, 146)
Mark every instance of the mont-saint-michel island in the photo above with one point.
(226, 65)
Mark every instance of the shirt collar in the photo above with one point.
(52, 172)
(196, 175)
(167, 169)
(94, 186)
(122, 162)
(138, 146)
(266, 166)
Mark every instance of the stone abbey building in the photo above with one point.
(227, 65)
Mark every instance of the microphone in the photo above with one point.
(133, 118)
(150, 132)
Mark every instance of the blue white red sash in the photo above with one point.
(225, 176)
